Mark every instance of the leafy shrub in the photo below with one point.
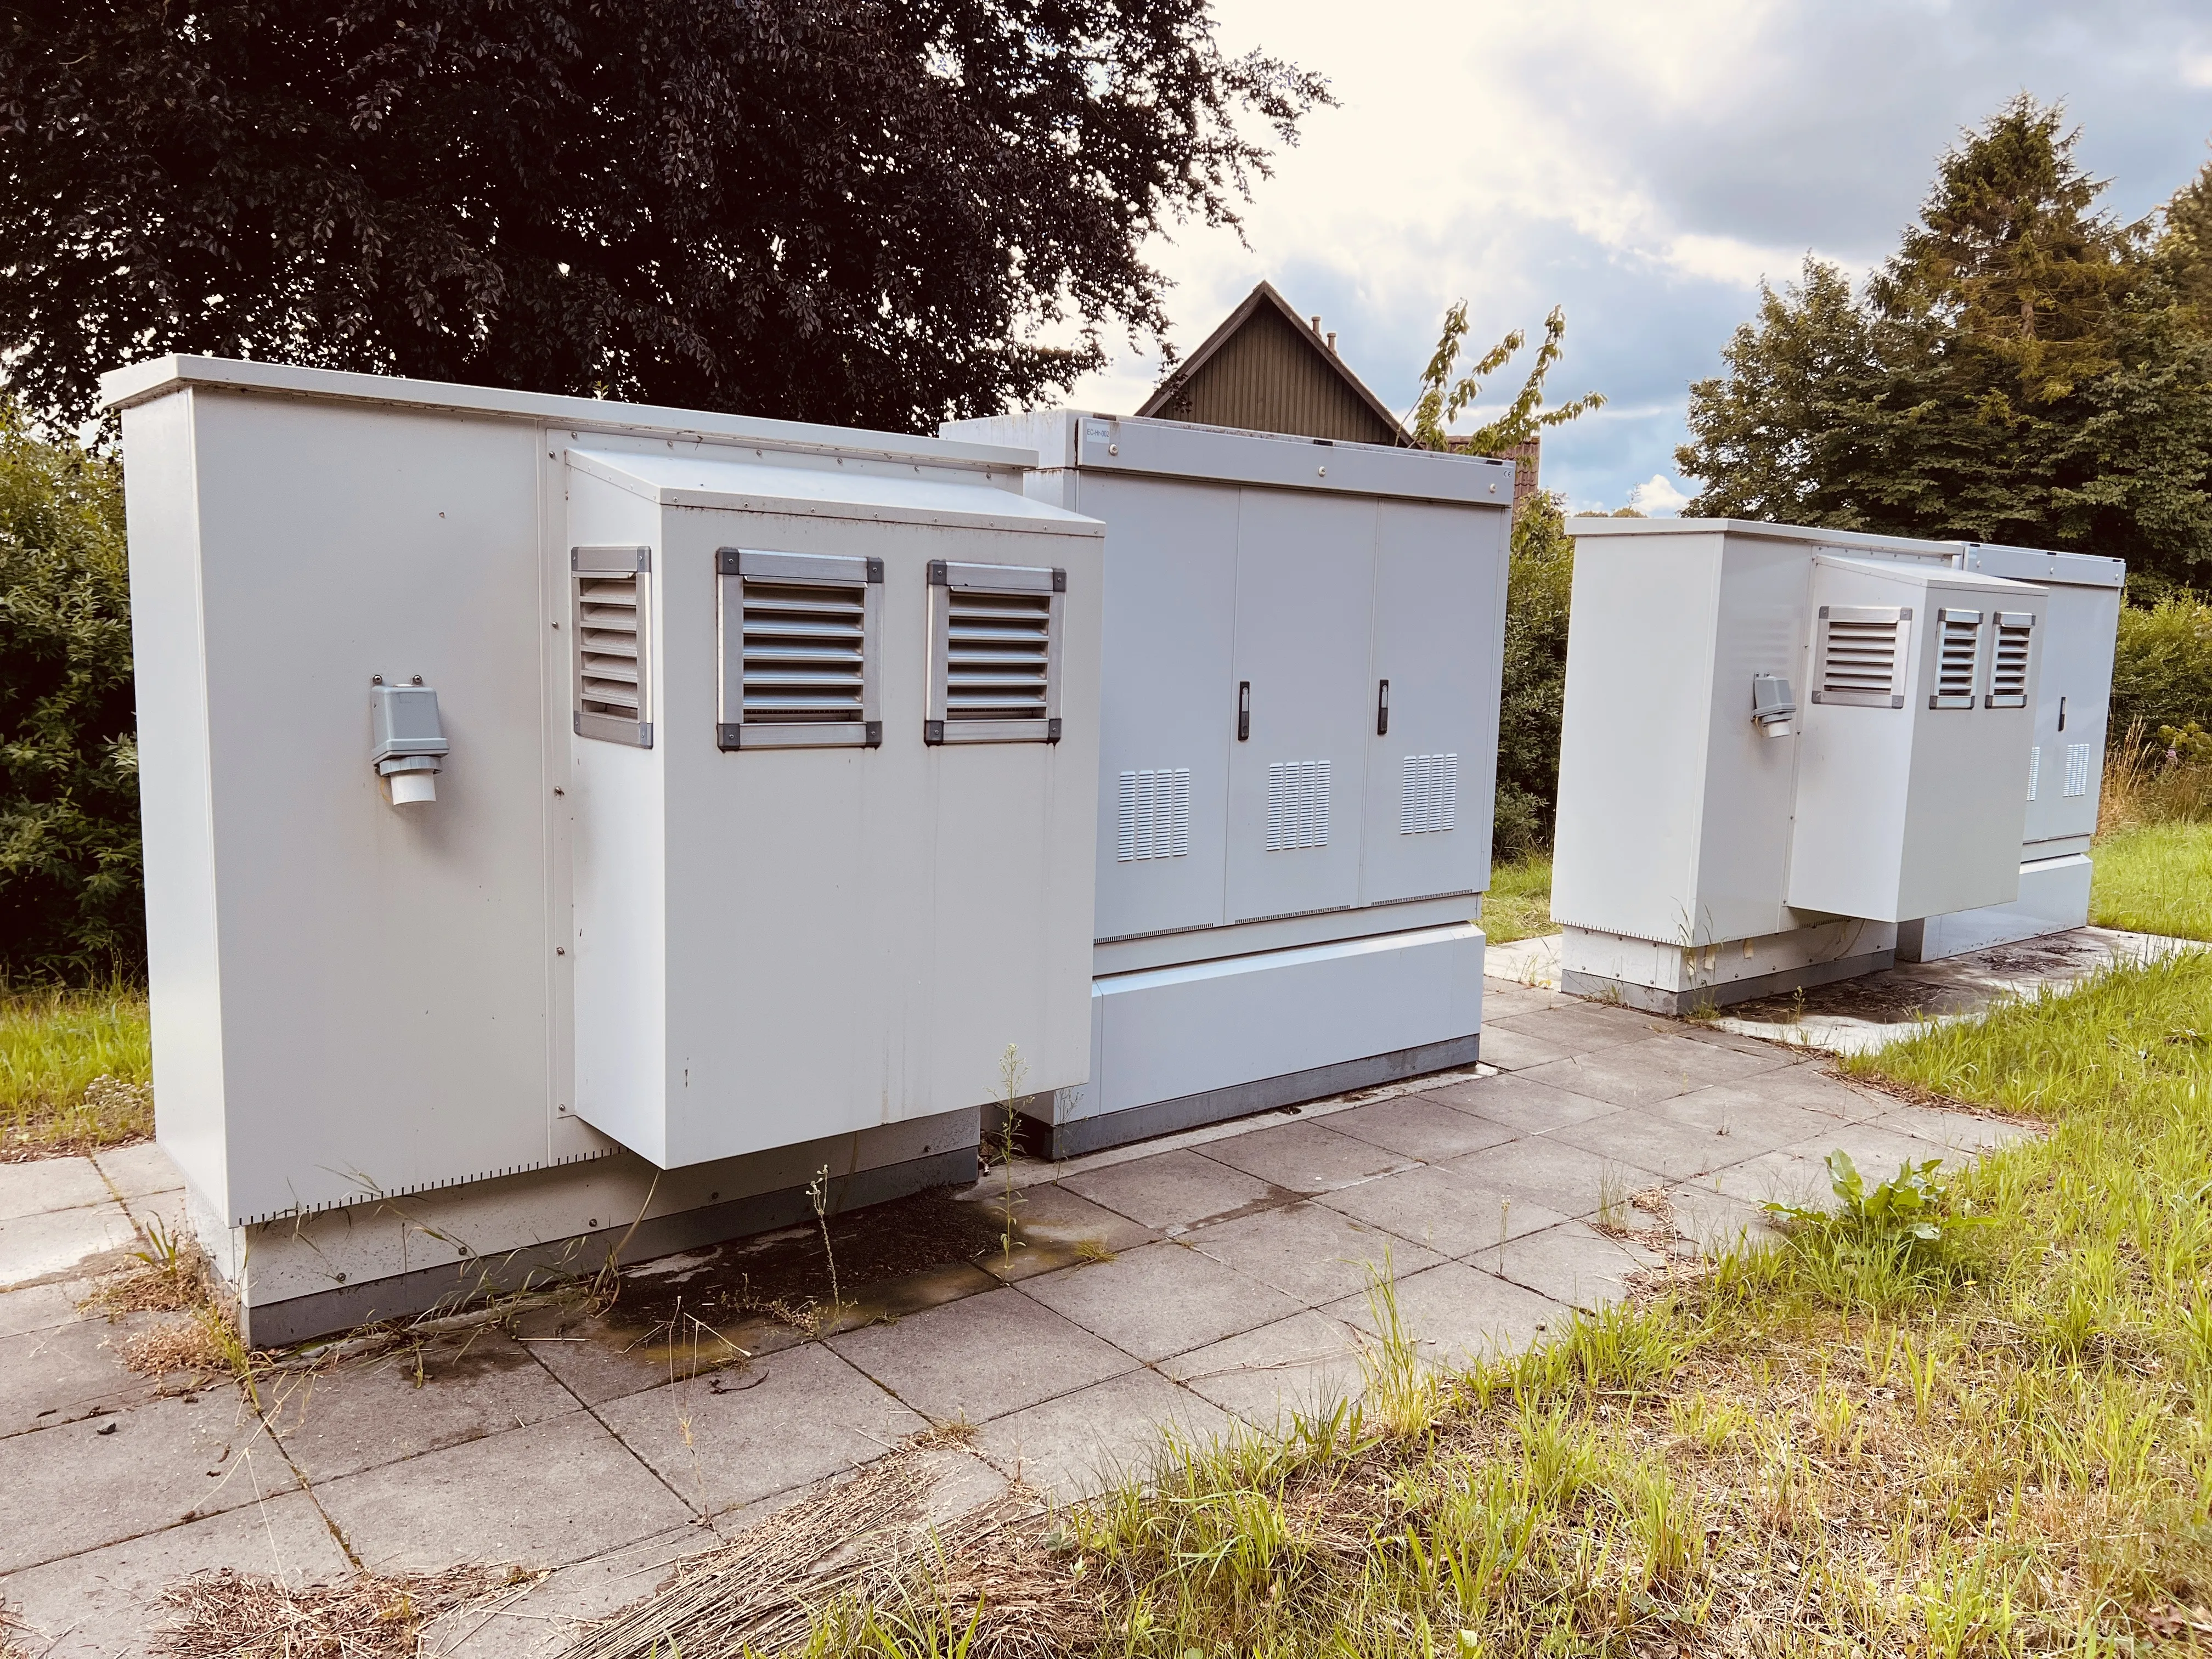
(71, 895)
(1535, 678)
(2162, 665)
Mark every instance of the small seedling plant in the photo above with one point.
(1912, 1209)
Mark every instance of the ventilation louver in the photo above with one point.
(2080, 758)
(1429, 795)
(1958, 657)
(798, 649)
(2008, 667)
(1297, 805)
(1861, 655)
(1154, 818)
(610, 629)
(995, 653)
(2034, 770)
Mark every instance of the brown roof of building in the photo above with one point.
(1266, 369)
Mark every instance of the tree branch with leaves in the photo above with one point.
(1443, 399)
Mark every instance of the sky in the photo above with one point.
(1645, 165)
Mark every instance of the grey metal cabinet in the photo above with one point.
(1297, 775)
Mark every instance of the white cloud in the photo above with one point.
(1658, 497)
(2197, 69)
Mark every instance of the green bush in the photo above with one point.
(2162, 665)
(1535, 678)
(72, 901)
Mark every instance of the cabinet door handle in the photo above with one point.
(1243, 711)
(1382, 708)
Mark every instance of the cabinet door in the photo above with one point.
(1163, 740)
(1305, 572)
(1439, 628)
(2074, 686)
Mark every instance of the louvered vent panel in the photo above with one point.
(1155, 814)
(1860, 660)
(998, 655)
(1297, 805)
(2008, 667)
(805, 651)
(1958, 653)
(2034, 770)
(1429, 795)
(2078, 759)
(609, 660)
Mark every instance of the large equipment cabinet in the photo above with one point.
(1296, 762)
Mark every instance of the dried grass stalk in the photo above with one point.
(236, 1615)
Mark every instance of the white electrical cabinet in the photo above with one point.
(1779, 743)
(1297, 761)
(533, 782)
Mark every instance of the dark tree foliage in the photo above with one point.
(851, 210)
(71, 903)
(2023, 369)
(1538, 588)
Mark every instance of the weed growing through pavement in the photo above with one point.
(818, 1194)
(1011, 1070)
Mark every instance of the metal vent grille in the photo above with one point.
(2034, 770)
(994, 645)
(1861, 656)
(798, 649)
(1297, 805)
(610, 628)
(2080, 757)
(1155, 815)
(1958, 656)
(1428, 800)
(2008, 667)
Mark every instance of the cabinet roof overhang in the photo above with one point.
(1990, 559)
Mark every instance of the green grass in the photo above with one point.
(75, 1069)
(2155, 878)
(1996, 1442)
(1519, 903)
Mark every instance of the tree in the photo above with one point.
(1443, 399)
(70, 904)
(2023, 369)
(854, 210)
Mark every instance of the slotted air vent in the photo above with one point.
(2034, 770)
(1297, 805)
(798, 649)
(2008, 668)
(1429, 795)
(1861, 655)
(2079, 756)
(610, 629)
(1155, 815)
(1958, 655)
(995, 653)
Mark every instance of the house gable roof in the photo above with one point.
(1264, 369)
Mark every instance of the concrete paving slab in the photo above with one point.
(167, 1209)
(1776, 1178)
(1308, 1251)
(1081, 1444)
(38, 1308)
(1512, 1099)
(1715, 1223)
(982, 1358)
(547, 1619)
(1583, 1027)
(1052, 1212)
(1502, 999)
(1160, 1300)
(595, 1360)
(1177, 1188)
(1562, 1177)
(731, 1438)
(1458, 1315)
(1875, 1149)
(56, 1243)
(1573, 1264)
(560, 1491)
(1655, 1069)
(138, 1170)
(1419, 1128)
(1299, 1366)
(1741, 1116)
(1965, 1131)
(1305, 1157)
(42, 1184)
(63, 1372)
(101, 1480)
(106, 1604)
(1644, 1139)
(1511, 1051)
(1449, 1209)
(452, 1389)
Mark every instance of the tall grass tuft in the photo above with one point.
(75, 1069)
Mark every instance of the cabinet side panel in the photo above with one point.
(174, 805)
(1639, 708)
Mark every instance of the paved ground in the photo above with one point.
(1234, 1282)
